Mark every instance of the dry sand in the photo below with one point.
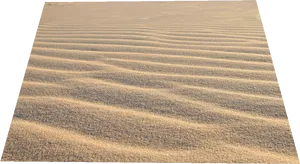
(150, 82)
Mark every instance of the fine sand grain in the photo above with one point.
(150, 82)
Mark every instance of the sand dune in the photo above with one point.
(150, 82)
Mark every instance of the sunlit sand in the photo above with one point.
(150, 82)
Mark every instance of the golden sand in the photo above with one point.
(150, 82)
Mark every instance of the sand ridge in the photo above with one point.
(150, 82)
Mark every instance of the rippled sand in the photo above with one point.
(150, 82)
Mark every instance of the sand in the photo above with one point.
(150, 82)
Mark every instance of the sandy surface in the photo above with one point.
(150, 82)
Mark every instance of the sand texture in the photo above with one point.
(150, 82)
